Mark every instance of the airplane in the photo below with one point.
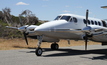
(68, 27)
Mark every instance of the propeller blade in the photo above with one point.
(86, 36)
(25, 37)
(86, 40)
(86, 17)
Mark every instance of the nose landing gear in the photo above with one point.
(38, 51)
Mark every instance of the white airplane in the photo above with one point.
(68, 27)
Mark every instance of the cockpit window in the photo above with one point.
(65, 18)
(57, 18)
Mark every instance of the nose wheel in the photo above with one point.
(38, 52)
(54, 46)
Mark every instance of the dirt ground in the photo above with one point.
(9, 44)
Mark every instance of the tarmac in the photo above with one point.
(76, 55)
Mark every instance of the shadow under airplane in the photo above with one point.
(72, 52)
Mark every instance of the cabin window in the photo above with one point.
(57, 18)
(88, 21)
(92, 22)
(75, 19)
(84, 21)
(95, 22)
(99, 23)
(104, 23)
(65, 18)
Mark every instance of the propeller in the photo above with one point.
(86, 35)
(23, 28)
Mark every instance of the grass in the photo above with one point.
(9, 44)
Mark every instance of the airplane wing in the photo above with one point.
(12, 27)
(24, 28)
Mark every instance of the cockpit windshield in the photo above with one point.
(63, 18)
(57, 18)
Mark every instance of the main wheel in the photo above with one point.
(38, 52)
(54, 46)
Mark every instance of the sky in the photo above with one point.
(49, 9)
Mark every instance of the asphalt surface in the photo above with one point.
(95, 55)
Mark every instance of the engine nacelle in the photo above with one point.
(94, 28)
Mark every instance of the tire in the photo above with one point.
(38, 52)
(54, 46)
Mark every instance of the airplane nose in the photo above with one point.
(41, 29)
(38, 29)
(47, 27)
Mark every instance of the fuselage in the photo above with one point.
(64, 25)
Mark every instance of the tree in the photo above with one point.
(1, 15)
(7, 15)
(28, 18)
(33, 19)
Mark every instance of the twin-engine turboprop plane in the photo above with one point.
(68, 27)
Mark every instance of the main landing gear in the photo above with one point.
(54, 46)
(38, 51)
